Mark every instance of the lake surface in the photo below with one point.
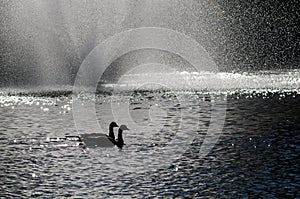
(255, 156)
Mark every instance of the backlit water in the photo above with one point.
(256, 156)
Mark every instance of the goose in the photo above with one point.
(99, 139)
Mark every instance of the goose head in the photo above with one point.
(124, 127)
(113, 124)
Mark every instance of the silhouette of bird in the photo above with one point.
(120, 142)
(99, 139)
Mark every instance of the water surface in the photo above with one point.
(256, 155)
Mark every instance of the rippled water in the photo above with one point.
(174, 119)
(257, 154)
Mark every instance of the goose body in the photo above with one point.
(100, 139)
(97, 140)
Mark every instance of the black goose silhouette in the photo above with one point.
(120, 142)
(99, 139)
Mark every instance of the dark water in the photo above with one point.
(256, 156)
